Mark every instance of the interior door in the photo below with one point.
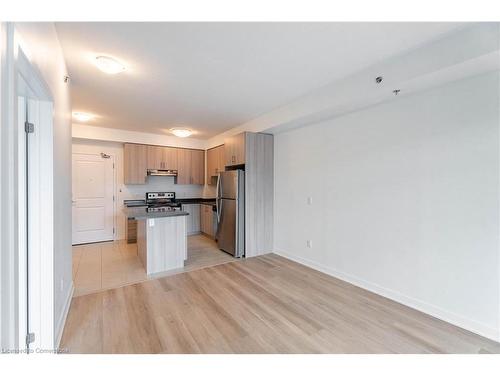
(93, 201)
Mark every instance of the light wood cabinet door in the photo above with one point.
(197, 167)
(154, 157)
(162, 157)
(135, 159)
(183, 166)
(212, 162)
(170, 158)
(215, 163)
(221, 163)
(234, 150)
(191, 167)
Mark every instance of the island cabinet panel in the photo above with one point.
(234, 150)
(191, 167)
(142, 248)
(215, 163)
(135, 163)
(193, 224)
(162, 243)
(162, 157)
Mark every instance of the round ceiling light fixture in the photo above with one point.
(109, 65)
(181, 132)
(82, 116)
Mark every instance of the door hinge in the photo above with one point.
(29, 127)
(113, 230)
(30, 337)
(113, 198)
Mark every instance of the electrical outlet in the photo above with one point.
(309, 244)
(309, 201)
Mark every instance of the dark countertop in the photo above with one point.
(134, 203)
(142, 202)
(196, 201)
(140, 213)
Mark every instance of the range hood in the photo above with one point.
(162, 172)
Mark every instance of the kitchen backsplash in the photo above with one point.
(162, 183)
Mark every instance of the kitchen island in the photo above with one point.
(161, 238)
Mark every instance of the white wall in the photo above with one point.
(84, 131)
(46, 54)
(405, 200)
(154, 183)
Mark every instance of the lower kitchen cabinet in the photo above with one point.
(208, 220)
(193, 225)
(131, 234)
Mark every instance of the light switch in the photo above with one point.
(309, 201)
(151, 222)
(309, 243)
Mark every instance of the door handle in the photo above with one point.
(219, 211)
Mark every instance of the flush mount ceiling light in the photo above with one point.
(109, 65)
(181, 132)
(83, 117)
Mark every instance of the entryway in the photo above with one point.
(93, 204)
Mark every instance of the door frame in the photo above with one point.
(40, 194)
(115, 192)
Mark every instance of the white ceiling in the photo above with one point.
(211, 77)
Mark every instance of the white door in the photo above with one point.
(93, 201)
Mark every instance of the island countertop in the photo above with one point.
(141, 213)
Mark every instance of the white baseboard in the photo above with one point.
(427, 308)
(64, 315)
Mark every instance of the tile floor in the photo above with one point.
(107, 265)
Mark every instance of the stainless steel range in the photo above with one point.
(161, 202)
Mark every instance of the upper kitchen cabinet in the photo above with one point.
(135, 160)
(162, 158)
(234, 150)
(198, 167)
(215, 163)
(190, 167)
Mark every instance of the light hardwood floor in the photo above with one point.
(107, 265)
(265, 304)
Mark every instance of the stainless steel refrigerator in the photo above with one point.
(230, 204)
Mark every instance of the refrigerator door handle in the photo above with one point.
(219, 212)
(217, 200)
